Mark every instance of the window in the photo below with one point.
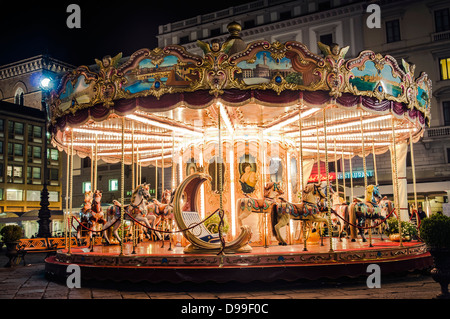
(18, 96)
(285, 15)
(86, 162)
(441, 20)
(53, 196)
(1, 193)
(324, 5)
(33, 196)
(86, 187)
(326, 38)
(393, 31)
(113, 185)
(184, 40)
(15, 130)
(249, 24)
(14, 173)
(53, 155)
(54, 174)
(215, 32)
(1, 173)
(14, 194)
(14, 149)
(33, 175)
(34, 133)
(446, 107)
(2, 126)
(444, 65)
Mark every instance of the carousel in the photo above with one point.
(240, 127)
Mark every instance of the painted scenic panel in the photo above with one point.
(265, 68)
(170, 72)
(371, 79)
(81, 92)
(422, 96)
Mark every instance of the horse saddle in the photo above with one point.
(298, 209)
(256, 204)
(368, 208)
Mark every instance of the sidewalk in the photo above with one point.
(29, 282)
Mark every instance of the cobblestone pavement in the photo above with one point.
(29, 282)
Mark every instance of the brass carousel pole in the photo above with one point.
(156, 179)
(302, 183)
(351, 178)
(92, 168)
(413, 167)
(374, 163)
(336, 168)
(319, 176)
(221, 212)
(162, 168)
(66, 213)
(122, 189)
(363, 149)
(95, 164)
(343, 175)
(71, 193)
(330, 229)
(133, 187)
(133, 178)
(395, 181)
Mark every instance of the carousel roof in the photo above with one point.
(169, 98)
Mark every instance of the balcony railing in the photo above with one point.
(440, 36)
(437, 132)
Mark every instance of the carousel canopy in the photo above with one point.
(168, 98)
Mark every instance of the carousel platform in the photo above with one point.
(154, 264)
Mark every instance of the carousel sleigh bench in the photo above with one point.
(200, 231)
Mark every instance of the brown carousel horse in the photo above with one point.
(307, 210)
(248, 205)
(136, 209)
(163, 211)
(98, 217)
(85, 216)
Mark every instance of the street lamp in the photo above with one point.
(44, 213)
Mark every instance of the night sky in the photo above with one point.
(107, 27)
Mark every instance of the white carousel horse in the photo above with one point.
(248, 205)
(164, 214)
(369, 209)
(341, 215)
(137, 209)
(307, 210)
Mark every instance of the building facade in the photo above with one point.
(22, 134)
(415, 30)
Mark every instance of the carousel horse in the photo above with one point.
(85, 216)
(340, 209)
(359, 211)
(387, 207)
(248, 205)
(98, 217)
(164, 213)
(307, 210)
(137, 210)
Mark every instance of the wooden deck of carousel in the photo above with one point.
(152, 263)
